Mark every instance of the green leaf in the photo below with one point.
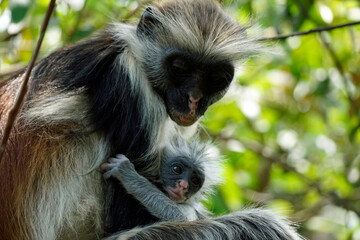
(18, 13)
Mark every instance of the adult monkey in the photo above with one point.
(126, 90)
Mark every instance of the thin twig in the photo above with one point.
(315, 30)
(24, 87)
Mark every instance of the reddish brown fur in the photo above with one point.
(26, 168)
(17, 171)
(7, 97)
(18, 174)
(21, 167)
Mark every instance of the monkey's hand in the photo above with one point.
(116, 165)
(156, 202)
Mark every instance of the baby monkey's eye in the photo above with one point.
(196, 181)
(177, 169)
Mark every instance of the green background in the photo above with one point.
(289, 127)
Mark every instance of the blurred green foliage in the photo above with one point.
(290, 125)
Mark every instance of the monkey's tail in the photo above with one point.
(251, 224)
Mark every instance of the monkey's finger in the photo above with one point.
(108, 166)
(121, 156)
(118, 160)
(114, 160)
(105, 167)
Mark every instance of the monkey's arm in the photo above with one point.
(155, 201)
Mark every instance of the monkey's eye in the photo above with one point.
(196, 181)
(177, 169)
(179, 67)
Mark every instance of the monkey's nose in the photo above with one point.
(193, 103)
(183, 184)
(194, 100)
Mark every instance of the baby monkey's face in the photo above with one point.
(181, 178)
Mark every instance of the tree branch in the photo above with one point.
(315, 30)
(24, 87)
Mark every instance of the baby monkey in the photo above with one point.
(187, 173)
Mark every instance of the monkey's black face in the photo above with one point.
(181, 178)
(191, 84)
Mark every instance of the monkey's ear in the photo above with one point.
(147, 22)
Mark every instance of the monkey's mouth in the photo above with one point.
(176, 195)
(184, 119)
